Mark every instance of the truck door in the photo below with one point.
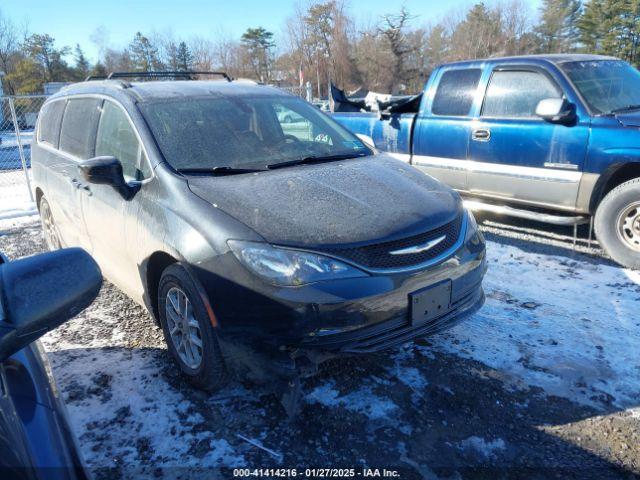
(443, 126)
(516, 155)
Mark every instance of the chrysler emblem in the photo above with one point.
(423, 247)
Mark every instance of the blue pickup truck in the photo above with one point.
(551, 137)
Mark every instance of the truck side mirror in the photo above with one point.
(39, 293)
(556, 110)
(107, 170)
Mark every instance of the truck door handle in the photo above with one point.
(481, 135)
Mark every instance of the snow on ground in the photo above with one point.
(481, 446)
(571, 328)
(15, 201)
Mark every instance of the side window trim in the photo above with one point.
(517, 68)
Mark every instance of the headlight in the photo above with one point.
(282, 266)
(473, 234)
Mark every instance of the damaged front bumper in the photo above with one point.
(297, 329)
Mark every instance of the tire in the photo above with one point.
(49, 229)
(206, 371)
(617, 224)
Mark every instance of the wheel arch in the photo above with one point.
(615, 175)
(154, 266)
(39, 195)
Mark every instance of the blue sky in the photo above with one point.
(73, 21)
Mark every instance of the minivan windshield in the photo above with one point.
(239, 134)
(608, 86)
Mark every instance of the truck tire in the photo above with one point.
(191, 339)
(617, 223)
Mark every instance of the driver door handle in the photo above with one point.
(481, 135)
(81, 186)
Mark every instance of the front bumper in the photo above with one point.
(395, 331)
(343, 316)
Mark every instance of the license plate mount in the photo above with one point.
(429, 303)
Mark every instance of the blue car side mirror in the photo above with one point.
(39, 293)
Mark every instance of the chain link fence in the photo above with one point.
(18, 115)
(303, 91)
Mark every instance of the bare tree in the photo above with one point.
(393, 29)
(9, 48)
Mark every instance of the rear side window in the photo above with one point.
(455, 92)
(79, 127)
(515, 94)
(116, 137)
(50, 120)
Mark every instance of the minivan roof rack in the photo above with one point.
(187, 75)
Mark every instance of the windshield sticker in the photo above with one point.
(323, 138)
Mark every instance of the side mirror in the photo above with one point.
(556, 110)
(39, 293)
(367, 140)
(107, 171)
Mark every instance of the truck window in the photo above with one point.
(514, 93)
(79, 127)
(455, 92)
(50, 119)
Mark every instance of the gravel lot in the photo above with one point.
(544, 382)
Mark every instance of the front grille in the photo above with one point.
(378, 257)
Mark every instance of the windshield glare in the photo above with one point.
(245, 132)
(606, 85)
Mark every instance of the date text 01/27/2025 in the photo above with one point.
(315, 473)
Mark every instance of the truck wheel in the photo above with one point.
(49, 229)
(190, 337)
(617, 224)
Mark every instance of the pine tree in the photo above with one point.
(557, 31)
(82, 64)
(41, 48)
(258, 43)
(611, 27)
(144, 55)
(184, 58)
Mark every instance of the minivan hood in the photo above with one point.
(370, 199)
(629, 119)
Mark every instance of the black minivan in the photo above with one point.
(250, 224)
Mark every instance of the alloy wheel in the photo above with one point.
(48, 227)
(183, 327)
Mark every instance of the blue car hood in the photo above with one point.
(371, 199)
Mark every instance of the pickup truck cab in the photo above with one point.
(551, 137)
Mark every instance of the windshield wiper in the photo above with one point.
(224, 170)
(628, 108)
(315, 159)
